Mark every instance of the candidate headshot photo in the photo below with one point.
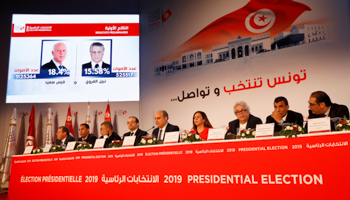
(97, 51)
(59, 53)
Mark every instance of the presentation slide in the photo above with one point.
(73, 58)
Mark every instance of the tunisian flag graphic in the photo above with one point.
(257, 17)
(69, 123)
(108, 114)
(31, 141)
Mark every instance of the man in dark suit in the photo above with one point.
(59, 53)
(84, 132)
(133, 125)
(321, 106)
(282, 114)
(89, 66)
(161, 118)
(244, 120)
(106, 131)
(63, 136)
(96, 52)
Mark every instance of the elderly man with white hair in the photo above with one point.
(244, 119)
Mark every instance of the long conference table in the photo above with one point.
(314, 166)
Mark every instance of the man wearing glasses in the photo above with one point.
(321, 106)
(244, 119)
(97, 51)
(133, 125)
(106, 131)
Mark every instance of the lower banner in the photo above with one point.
(310, 166)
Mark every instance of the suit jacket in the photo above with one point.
(169, 128)
(89, 66)
(292, 117)
(336, 111)
(139, 134)
(112, 137)
(91, 139)
(251, 123)
(69, 138)
(50, 65)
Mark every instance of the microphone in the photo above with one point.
(150, 128)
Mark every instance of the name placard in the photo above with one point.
(47, 148)
(70, 146)
(319, 125)
(171, 137)
(216, 134)
(28, 150)
(99, 143)
(264, 130)
(129, 141)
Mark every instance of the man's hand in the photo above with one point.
(276, 116)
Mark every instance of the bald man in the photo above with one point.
(59, 53)
(161, 118)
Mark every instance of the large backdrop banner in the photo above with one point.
(207, 55)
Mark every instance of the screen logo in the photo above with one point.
(19, 28)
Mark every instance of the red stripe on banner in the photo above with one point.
(170, 142)
(319, 131)
(307, 167)
(215, 139)
(74, 30)
(265, 136)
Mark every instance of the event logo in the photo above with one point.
(260, 21)
(19, 28)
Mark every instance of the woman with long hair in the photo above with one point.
(201, 125)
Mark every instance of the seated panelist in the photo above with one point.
(282, 114)
(85, 135)
(106, 131)
(161, 118)
(133, 125)
(63, 136)
(244, 119)
(201, 125)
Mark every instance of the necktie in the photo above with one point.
(96, 67)
(60, 67)
(132, 133)
(160, 135)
